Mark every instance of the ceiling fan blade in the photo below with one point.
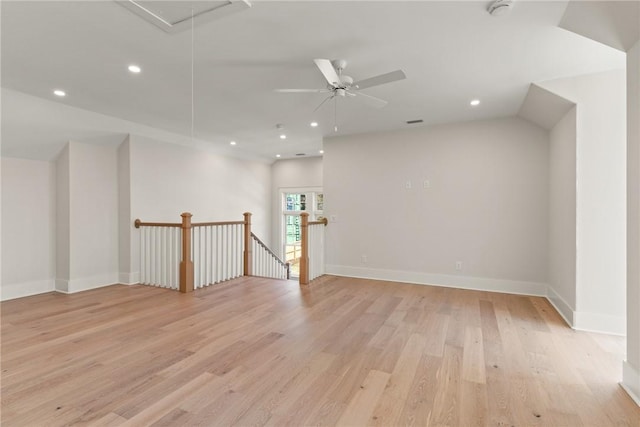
(328, 71)
(372, 100)
(380, 80)
(302, 90)
(322, 103)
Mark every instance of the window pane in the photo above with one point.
(295, 202)
(292, 229)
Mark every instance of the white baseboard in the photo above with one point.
(129, 278)
(601, 323)
(562, 307)
(86, 283)
(588, 322)
(631, 381)
(449, 281)
(18, 290)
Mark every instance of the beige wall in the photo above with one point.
(28, 227)
(631, 371)
(486, 205)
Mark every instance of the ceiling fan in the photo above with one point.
(341, 85)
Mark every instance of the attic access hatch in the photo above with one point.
(175, 16)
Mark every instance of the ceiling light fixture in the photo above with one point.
(499, 7)
(278, 155)
(321, 151)
(232, 143)
(314, 124)
(59, 93)
(475, 103)
(283, 136)
(134, 68)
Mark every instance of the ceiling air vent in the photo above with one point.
(413, 122)
(175, 16)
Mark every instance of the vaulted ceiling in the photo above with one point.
(451, 51)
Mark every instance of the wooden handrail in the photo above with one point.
(322, 221)
(206, 224)
(270, 252)
(137, 223)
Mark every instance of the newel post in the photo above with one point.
(247, 255)
(304, 257)
(186, 265)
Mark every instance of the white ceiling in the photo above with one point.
(451, 52)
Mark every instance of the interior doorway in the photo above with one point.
(294, 201)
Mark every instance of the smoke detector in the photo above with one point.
(500, 7)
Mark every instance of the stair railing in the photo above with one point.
(266, 263)
(190, 255)
(312, 242)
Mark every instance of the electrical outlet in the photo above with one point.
(426, 184)
(364, 259)
(459, 265)
(407, 185)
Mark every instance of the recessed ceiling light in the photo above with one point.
(283, 136)
(321, 151)
(232, 143)
(59, 93)
(134, 69)
(278, 155)
(314, 124)
(475, 103)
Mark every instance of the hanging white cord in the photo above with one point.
(335, 115)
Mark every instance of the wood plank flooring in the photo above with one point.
(341, 351)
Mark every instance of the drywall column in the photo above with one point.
(562, 215)
(631, 367)
(87, 217)
(63, 219)
(600, 197)
(125, 224)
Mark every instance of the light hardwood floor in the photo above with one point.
(339, 352)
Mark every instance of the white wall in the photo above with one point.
(631, 367)
(167, 179)
(290, 173)
(486, 206)
(92, 248)
(562, 215)
(601, 197)
(28, 227)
